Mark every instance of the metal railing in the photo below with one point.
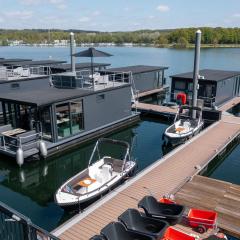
(84, 79)
(15, 226)
(208, 101)
(23, 72)
(25, 142)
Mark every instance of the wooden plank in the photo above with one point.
(223, 202)
(165, 177)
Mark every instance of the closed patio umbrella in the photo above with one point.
(92, 52)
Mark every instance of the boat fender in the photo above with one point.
(43, 149)
(20, 157)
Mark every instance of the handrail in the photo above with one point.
(19, 139)
(83, 79)
(31, 232)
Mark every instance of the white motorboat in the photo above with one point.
(184, 126)
(103, 173)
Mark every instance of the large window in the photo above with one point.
(69, 118)
(46, 123)
(180, 85)
(77, 123)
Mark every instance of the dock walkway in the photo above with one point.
(212, 194)
(165, 176)
(156, 109)
(150, 92)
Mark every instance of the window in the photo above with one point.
(63, 120)
(180, 85)
(100, 97)
(70, 118)
(46, 123)
(15, 86)
(77, 120)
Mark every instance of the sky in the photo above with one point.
(118, 15)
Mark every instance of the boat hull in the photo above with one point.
(83, 203)
(179, 139)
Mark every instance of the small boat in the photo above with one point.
(184, 126)
(103, 173)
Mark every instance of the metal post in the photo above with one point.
(72, 51)
(196, 70)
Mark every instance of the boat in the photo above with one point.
(102, 174)
(184, 126)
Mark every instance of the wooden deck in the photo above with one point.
(150, 108)
(212, 194)
(150, 92)
(163, 177)
(230, 104)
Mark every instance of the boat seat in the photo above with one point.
(134, 221)
(97, 175)
(115, 163)
(172, 213)
(106, 172)
(117, 231)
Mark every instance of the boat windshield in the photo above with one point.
(110, 148)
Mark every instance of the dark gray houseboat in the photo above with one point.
(215, 86)
(145, 78)
(36, 119)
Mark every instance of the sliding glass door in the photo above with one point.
(69, 117)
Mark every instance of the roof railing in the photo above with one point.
(84, 80)
(18, 226)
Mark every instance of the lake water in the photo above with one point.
(30, 190)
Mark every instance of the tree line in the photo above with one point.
(177, 38)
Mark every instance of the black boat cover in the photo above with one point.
(117, 231)
(134, 221)
(172, 213)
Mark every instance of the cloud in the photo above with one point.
(163, 8)
(20, 15)
(84, 19)
(30, 2)
(236, 15)
(96, 13)
(62, 6)
(151, 17)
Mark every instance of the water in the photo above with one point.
(31, 189)
(227, 167)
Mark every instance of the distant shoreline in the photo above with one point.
(170, 46)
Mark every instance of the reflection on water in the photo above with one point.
(227, 166)
(30, 190)
(235, 110)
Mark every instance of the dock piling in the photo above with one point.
(72, 51)
(196, 70)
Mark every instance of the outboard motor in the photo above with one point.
(20, 157)
(43, 149)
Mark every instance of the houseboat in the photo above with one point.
(215, 86)
(44, 112)
(147, 80)
(50, 118)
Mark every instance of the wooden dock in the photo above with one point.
(230, 104)
(150, 92)
(155, 109)
(165, 176)
(212, 194)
